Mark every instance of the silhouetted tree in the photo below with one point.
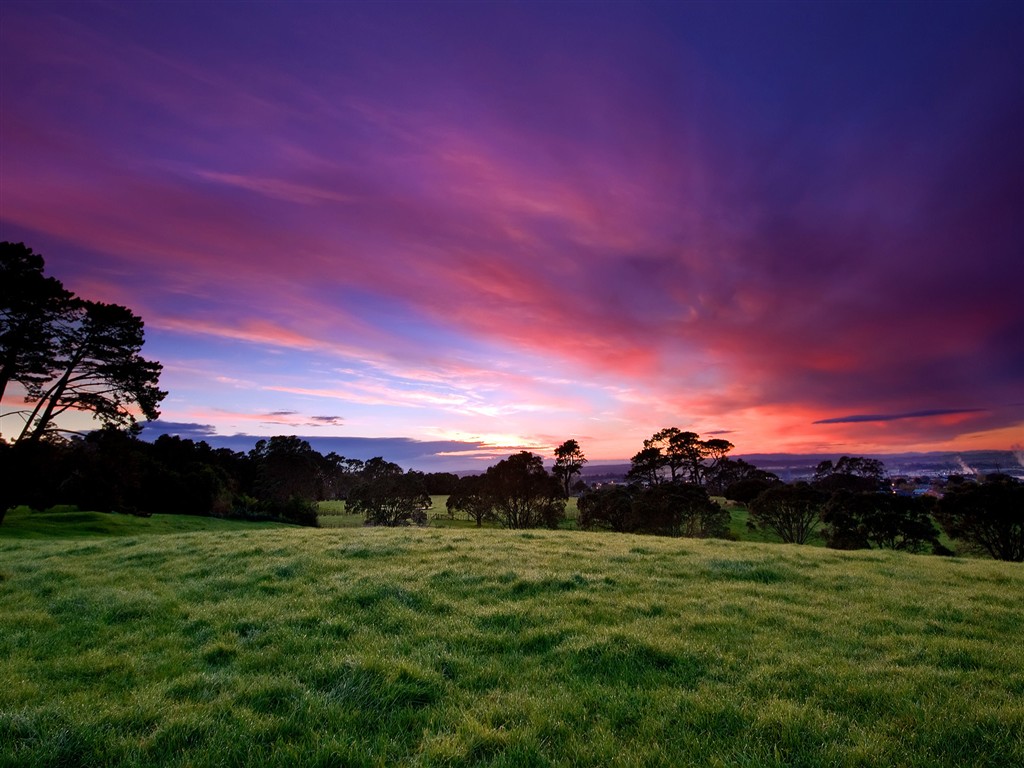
(988, 516)
(678, 509)
(469, 498)
(378, 467)
(285, 466)
(32, 308)
(522, 494)
(440, 483)
(97, 369)
(569, 460)
(729, 474)
(607, 508)
(674, 448)
(646, 466)
(714, 450)
(191, 478)
(793, 512)
(851, 473)
(390, 499)
(683, 454)
(664, 509)
(878, 520)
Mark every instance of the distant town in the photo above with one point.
(909, 473)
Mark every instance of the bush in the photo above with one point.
(606, 509)
(665, 509)
(678, 509)
(989, 516)
(879, 520)
(793, 512)
(391, 499)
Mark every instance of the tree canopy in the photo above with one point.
(879, 520)
(69, 354)
(569, 460)
(522, 494)
(390, 498)
(683, 454)
(31, 308)
(988, 516)
(793, 512)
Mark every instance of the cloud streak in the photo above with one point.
(857, 419)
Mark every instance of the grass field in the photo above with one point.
(274, 645)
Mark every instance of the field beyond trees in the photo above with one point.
(276, 645)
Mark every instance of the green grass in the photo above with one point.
(332, 514)
(69, 522)
(285, 646)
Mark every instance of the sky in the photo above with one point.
(443, 232)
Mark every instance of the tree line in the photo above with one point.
(66, 353)
(282, 478)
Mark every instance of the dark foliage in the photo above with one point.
(569, 460)
(745, 491)
(646, 467)
(110, 470)
(440, 483)
(286, 468)
(469, 498)
(522, 494)
(730, 476)
(664, 509)
(793, 512)
(31, 307)
(69, 354)
(608, 508)
(674, 455)
(879, 520)
(854, 474)
(678, 509)
(987, 516)
(391, 499)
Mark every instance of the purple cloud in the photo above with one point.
(897, 416)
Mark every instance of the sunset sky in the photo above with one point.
(473, 228)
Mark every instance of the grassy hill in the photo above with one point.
(272, 645)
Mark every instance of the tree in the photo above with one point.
(683, 454)
(672, 446)
(793, 512)
(645, 467)
(441, 483)
(469, 498)
(32, 307)
(391, 499)
(606, 508)
(745, 491)
(678, 509)
(522, 494)
(663, 509)
(286, 466)
(727, 473)
(97, 368)
(988, 516)
(879, 520)
(569, 460)
(851, 473)
(714, 449)
(67, 353)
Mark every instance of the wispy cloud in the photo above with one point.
(897, 416)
